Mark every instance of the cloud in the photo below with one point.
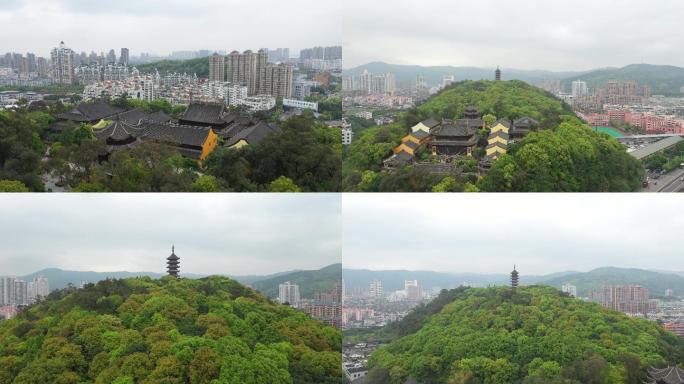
(161, 27)
(490, 233)
(524, 34)
(226, 234)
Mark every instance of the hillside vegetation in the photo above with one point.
(564, 156)
(198, 66)
(535, 335)
(169, 331)
(322, 280)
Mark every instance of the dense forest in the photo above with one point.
(533, 335)
(565, 155)
(140, 330)
(305, 157)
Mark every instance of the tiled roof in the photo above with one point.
(204, 114)
(91, 112)
(430, 123)
(254, 134)
(669, 375)
(420, 134)
(526, 123)
(458, 128)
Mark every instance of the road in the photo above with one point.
(670, 182)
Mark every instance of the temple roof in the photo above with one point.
(411, 144)
(430, 123)
(525, 123)
(205, 114)
(119, 131)
(254, 134)
(90, 112)
(669, 375)
(420, 134)
(459, 128)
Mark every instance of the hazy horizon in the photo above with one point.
(229, 234)
(160, 27)
(561, 35)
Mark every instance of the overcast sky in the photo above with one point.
(540, 233)
(162, 26)
(522, 34)
(231, 234)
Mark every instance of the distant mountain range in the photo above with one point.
(656, 282)
(406, 74)
(309, 281)
(664, 79)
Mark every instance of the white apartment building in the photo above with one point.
(301, 104)
(288, 293)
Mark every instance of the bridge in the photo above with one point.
(658, 146)
(655, 136)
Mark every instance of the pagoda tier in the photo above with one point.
(173, 263)
(514, 278)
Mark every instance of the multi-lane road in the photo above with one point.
(669, 182)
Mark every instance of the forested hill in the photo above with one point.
(198, 66)
(663, 79)
(565, 155)
(321, 280)
(173, 331)
(534, 335)
(590, 281)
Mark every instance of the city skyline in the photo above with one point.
(153, 26)
(213, 234)
(492, 233)
(528, 35)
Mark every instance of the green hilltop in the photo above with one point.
(140, 330)
(565, 155)
(533, 335)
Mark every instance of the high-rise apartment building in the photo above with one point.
(376, 289)
(569, 289)
(579, 88)
(413, 290)
(63, 65)
(247, 68)
(217, 68)
(631, 299)
(276, 80)
(124, 59)
(288, 293)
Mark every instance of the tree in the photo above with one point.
(205, 366)
(283, 184)
(206, 183)
(12, 186)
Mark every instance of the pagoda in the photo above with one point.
(173, 263)
(514, 278)
(498, 74)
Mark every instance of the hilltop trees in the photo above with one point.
(535, 335)
(563, 156)
(148, 331)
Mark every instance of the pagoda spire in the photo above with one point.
(514, 278)
(173, 263)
